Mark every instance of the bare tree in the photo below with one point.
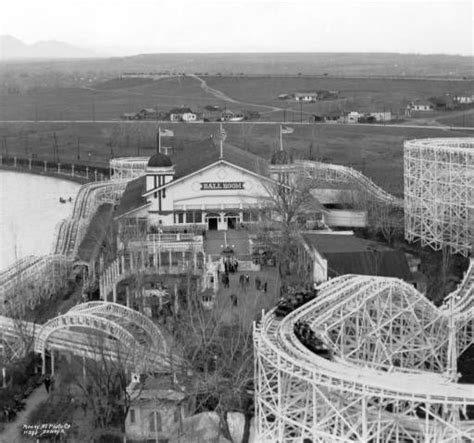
(218, 360)
(103, 383)
(290, 206)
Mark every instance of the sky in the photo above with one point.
(122, 27)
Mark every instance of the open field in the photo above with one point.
(56, 73)
(376, 151)
(362, 94)
(108, 100)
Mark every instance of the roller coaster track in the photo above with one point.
(95, 330)
(22, 279)
(31, 278)
(391, 377)
(338, 174)
(90, 196)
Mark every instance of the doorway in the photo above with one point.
(212, 223)
(231, 222)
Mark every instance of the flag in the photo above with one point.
(166, 132)
(286, 130)
(222, 133)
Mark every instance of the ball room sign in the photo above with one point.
(219, 186)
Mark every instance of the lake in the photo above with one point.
(30, 210)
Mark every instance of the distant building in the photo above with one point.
(283, 96)
(351, 117)
(189, 117)
(331, 255)
(307, 97)
(147, 114)
(230, 116)
(384, 116)
(464, 99)
(418, 106)
(177, 114)
(130, 116)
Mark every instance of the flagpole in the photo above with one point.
(222, 147)
(159, 139)
(281, 140)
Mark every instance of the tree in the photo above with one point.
(289, 207)
(217, 367)
(103, 383)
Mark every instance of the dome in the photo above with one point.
(281, 158)
(159, 160)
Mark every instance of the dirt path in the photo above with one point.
(220, 95)
(12, 432)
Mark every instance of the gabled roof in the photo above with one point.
(181, 111)
(190, 156)
(132, 197)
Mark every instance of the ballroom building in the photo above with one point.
(203, 186)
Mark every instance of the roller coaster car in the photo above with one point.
(283, 308)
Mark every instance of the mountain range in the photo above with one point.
(13, 48)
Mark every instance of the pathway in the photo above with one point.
(220, 95)
(12, 432)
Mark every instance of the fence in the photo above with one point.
(79, 171)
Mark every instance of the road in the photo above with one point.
(165, 122)
(222, 96)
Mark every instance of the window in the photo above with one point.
(154, 418)
(132, 416)
(193, 217)
(180, 217)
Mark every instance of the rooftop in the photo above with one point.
(132, 196)
(348, 254)
(95, 234)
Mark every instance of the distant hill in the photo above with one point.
(13, 48)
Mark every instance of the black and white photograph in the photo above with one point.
(237, 221)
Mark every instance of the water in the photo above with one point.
(29, 212)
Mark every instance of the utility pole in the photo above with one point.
(301, 111)
(55, 149)
(78, 147)
(5, 146)
(93, 107)
(26, 145)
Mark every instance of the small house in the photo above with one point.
(418, 106)
(156, 411)
(176, 114)
(306, 97)
(384, 116)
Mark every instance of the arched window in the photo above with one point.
(154, 421)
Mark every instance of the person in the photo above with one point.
(226, 284)
(233, 299)
(265, 287)
(47, 383)
(257, 283)
(242, 281)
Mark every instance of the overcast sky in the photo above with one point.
(130, 26)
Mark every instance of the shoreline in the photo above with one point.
(51, 174)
